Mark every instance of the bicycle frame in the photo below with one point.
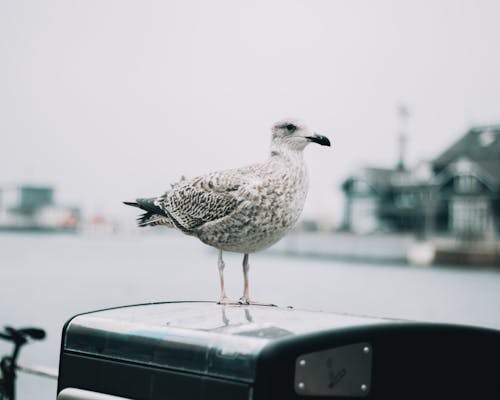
(8, 363)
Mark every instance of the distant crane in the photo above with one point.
(403, 115)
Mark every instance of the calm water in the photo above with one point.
(46, 279)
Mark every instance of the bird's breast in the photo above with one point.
(270, 204)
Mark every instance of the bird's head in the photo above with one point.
(294, 135)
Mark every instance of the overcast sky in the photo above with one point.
(109, 100)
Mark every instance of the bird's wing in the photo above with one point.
(195, 202)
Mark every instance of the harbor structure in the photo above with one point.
(455, 196)
(28, 207)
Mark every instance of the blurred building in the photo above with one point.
(28, 207)
(457, 193)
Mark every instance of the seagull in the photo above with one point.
(242, 210)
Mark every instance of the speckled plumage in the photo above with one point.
(245, 209)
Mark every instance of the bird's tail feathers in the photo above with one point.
(150, 219)
(154, 214)
(149, 204)
(131, 203)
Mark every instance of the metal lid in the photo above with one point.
(204, 338)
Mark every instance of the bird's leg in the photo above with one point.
(245, 299)
(223, 297)
(221, 265)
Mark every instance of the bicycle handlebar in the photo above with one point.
(21, 336)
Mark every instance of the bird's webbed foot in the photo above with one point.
(247, 302)
(226, 301)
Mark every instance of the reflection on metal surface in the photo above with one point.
(342, 371)
(79, 394)
(47, 372)
(206, 338)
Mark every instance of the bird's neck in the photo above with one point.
(286, 153)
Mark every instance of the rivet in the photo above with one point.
(301, 385)
(366, 349)
(364, 388)
(302, 363)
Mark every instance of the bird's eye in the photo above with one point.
(291, 128)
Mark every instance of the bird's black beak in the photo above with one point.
(322, 140)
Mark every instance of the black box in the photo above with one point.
(196, 350)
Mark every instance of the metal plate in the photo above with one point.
(341, 371)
